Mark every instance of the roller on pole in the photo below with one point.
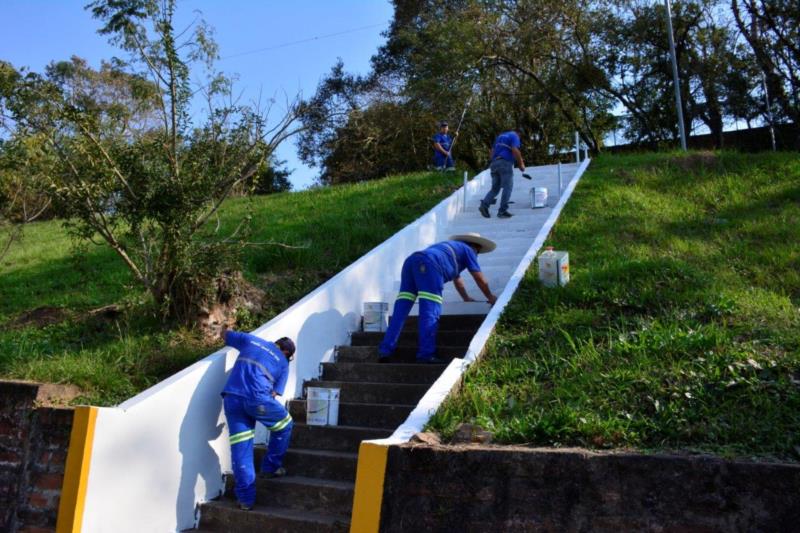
(675, 77)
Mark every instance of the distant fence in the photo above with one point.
(787, 137)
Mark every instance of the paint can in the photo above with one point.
(538, 197)
(553, 268)
(375, 316)
(322, 406)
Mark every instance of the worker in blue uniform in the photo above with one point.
(257, 377)
(442, 143)
(504, 156)
(423, 276)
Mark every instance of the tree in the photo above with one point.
(772, 30)
(135, 169)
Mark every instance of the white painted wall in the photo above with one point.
(159, 454)
(451, 376)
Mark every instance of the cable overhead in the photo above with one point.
(308, 40)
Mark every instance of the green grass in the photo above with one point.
(111, 360)
(680, 329)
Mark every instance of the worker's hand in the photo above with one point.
(492, 299)
(274, 394)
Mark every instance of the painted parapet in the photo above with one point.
(146, 464)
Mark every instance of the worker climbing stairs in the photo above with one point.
(317, 493)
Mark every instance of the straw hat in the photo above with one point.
(475, 238)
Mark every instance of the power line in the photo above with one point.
(317, 38)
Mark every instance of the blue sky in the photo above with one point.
(35, 32)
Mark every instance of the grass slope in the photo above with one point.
(112, 360)
(680, 328)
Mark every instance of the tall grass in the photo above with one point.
(112, 359)
(680, 328)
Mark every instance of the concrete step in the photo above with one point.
(302, 493)
(224, 516)
(381, 372)
(395, 393)
(403, 354)
(322, 464)
(408, 337)
(452, 321)
(372, 415)
(334, 438)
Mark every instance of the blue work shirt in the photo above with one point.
(502, 146)
(259, 369)
(446, 141)
(451, 257)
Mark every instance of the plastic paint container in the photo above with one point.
(322, 406)
(553, 268)
(375, 316)
(538, 197)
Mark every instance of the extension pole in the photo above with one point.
(577, 148)
(461, 120)
(464, 203)
(678, 104)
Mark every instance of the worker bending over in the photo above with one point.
(257, 377)
(423, 275)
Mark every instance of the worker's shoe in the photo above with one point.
(280, 472)
(484, 211)
(245, 506)
(504, 214)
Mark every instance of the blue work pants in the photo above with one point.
(419, 278)
(502, 178)
(242, 415)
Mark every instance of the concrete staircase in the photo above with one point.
(317, 495)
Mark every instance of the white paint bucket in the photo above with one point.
(375, 316)
(322, 406)
(553, 268)
(538, 197)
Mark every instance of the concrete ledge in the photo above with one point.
(493, 488)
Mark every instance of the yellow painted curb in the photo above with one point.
(76, 474)
(368, 496)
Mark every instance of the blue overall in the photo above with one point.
(423, 276)
(439, 159)
(260, 370)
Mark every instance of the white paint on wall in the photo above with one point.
(158, 455)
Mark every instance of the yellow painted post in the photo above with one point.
(368, 496)
(76, 474)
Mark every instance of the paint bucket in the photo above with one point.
(322, 406)
(374, 318)
(553, 268)
(538, 197)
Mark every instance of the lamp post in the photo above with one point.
(678, 103)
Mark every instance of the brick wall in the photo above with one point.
(471, 489)
(34, 440)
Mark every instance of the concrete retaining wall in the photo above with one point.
(440, 488)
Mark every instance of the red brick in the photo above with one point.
(48, 481)
(38, 501)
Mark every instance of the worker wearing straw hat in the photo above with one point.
(423, 276)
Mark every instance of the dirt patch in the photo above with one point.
(696, 162)
(40, 317)
(234, 294)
